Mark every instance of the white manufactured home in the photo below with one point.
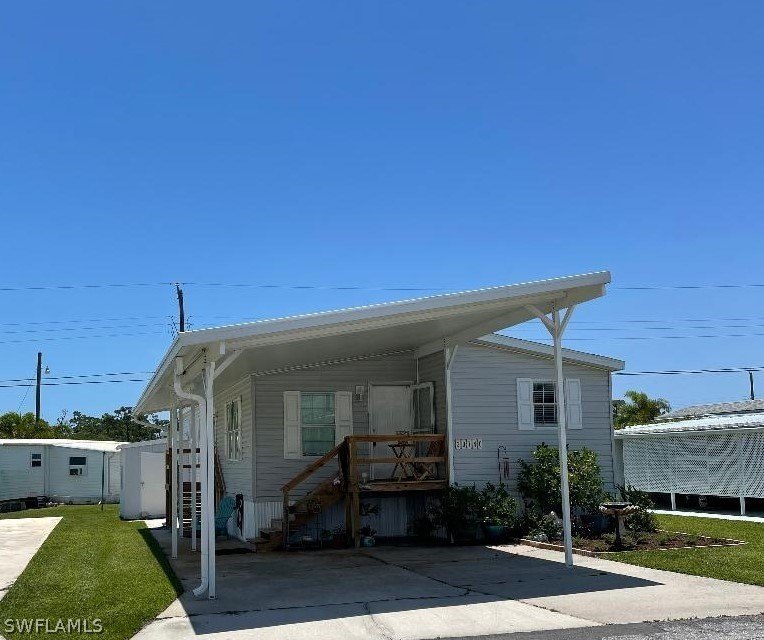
(355, 417)
(70, 471)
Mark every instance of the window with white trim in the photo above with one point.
(544, 404)
(317, 423)
(35, 460)
(233, 430)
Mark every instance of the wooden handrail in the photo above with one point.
(313, 467)
(403, 437)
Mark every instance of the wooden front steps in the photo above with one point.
(414, 469)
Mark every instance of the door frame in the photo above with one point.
(397, 383)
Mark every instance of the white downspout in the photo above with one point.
(194, 479)
(202, 404)
(209, 494)
(173, 515)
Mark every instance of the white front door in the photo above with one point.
(152, 484)
(389, 412)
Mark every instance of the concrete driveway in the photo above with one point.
(20, 538)
(415, 593)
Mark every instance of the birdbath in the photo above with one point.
(620, 510)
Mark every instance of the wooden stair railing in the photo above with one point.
(326, 493)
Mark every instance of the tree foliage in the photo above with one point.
(119, 425)
(22, 425)
(638, 408)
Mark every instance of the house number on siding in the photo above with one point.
(469, 443)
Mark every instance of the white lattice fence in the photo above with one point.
(753, 463)
(724, 468)
(635, 463)
(721, 464)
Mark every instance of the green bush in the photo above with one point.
(543, 524)
(459, 510)
(539, 480)
(499, 507)
(643, 519)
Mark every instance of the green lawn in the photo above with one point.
(739, 564)
(93, 565)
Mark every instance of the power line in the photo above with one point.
(107, 335)
(343, 287)
(77, 382)
(677, 372)
(83, 375)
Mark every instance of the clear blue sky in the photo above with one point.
(433, 144)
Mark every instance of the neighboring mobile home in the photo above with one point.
(70, 471)
(354, 417)
(699, 451)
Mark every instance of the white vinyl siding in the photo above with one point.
(274, 463)
(237, 473)
(492, 400)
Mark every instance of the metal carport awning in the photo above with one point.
(196, 359)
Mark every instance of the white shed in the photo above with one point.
(143, 479)
(715, 455)
(71, 471)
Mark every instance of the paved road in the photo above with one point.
(737, 628)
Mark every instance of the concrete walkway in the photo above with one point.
(704, 514)
(414, 593)
(20, 538)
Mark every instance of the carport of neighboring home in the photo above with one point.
(200, 365)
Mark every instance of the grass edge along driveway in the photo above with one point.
(93, 565)
(744, 563)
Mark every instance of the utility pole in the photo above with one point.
(750, 380)
(181, 310)
(39, 385)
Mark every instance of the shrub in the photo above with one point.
(643, 519)
(458, 510)
(498, 507)
(539, 481)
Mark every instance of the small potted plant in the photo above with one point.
(367, 536)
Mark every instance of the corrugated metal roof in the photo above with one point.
(89, 445)
(718, 408)
(707, 423)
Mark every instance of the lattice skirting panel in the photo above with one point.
(719, 464)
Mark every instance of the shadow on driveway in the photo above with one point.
(474, 584)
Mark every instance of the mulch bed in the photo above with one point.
(658, 541)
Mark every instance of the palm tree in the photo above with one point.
(639, 409)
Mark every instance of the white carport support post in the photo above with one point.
(556, 328)
(208, 497)
(173, 515)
